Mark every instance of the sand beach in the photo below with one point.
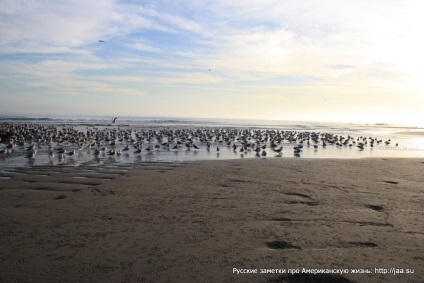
(211, 141)
(246, 220)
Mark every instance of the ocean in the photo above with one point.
(397, 141)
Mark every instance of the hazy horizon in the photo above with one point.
(418, 124)
(330, 61)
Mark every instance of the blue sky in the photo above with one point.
(345, 60)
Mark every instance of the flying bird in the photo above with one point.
(209, 70)
(114, 119)
(102, 41)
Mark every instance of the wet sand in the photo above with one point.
(197, 221)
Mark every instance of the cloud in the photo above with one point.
(143, 47)
(52, 24)
(57, 26)
(350, 48)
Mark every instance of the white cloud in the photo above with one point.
(143, 47)
(249, 45)
(58, 26)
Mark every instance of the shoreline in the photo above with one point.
(106, 162)
(196, 221)
(56, 145)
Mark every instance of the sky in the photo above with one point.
(327, 60)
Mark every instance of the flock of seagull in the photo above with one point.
(66, 141)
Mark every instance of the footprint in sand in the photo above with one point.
(282, 219)
(281, 245)
(310, 203)
(361, 245)
(391, 182)
(299, 195)
(375, 207)
(302, 199)
(61, 197)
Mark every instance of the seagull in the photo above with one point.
(32, 154)
(209, 70)
(279, 149)
(114, 119)
(97, 152)
(62, 157)
(102, 41)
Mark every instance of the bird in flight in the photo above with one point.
(209, 70)
(101, 41)
(114, 119)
